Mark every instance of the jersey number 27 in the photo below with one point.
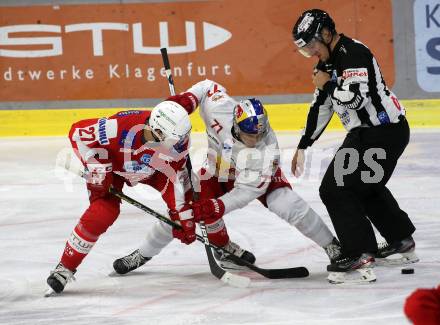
(87, 134)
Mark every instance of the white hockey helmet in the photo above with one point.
(172, 120)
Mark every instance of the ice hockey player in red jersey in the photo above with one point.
(235, 131)
(130, 147)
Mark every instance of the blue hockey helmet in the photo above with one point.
(250, 117)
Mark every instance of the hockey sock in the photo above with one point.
(77, 247)
(217, 233)
(157, 238)
(312, 226)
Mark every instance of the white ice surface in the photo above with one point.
(38, 211)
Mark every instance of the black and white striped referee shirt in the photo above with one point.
(357, 93)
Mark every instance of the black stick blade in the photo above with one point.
(294, 272)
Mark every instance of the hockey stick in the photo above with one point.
(294, 272)
(226, 277)
(216, 270)
(166, 64)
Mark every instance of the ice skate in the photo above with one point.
(333, 250)
(397, 253)
(354, 270)
(228, 264)
(130, 262)
(58, 279)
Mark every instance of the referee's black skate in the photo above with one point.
(352, 270)
(58, 279)
(397, 253)
(130, 262)
(235, 249)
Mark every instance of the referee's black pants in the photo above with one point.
(353, 204)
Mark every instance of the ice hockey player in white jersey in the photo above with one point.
(242, 165)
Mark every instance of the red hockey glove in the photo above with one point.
(185, 218)
(99, 178)
(208, 210)
(187, 100)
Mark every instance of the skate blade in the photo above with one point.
(359, 276)
(50, 293)
(398, 259)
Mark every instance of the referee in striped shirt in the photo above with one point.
(349, 83)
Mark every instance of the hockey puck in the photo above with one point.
(408, 271)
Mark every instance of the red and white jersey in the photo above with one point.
(119, 140)
(251, 168)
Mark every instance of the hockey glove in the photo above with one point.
(187, 100)
(208, 210)
(99, 178)
(184, 218)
